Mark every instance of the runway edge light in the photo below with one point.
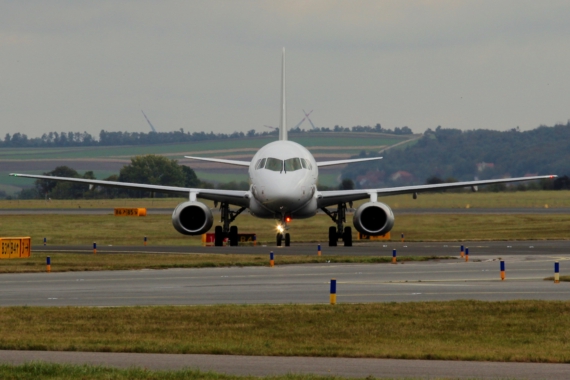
(502, 270)
(333, 291)
(556, 272)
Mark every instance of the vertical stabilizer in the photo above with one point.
(283, 123)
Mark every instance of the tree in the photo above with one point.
(44, 186)
(190, 178)
(152, 170)
(346, 184)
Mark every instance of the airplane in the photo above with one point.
(283, 179)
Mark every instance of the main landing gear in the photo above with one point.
(225, 231)
(339, 232)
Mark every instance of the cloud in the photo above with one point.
(214, 65)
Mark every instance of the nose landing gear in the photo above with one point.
(339, 232)
(282, 235)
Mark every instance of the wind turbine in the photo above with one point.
(308, 118)
(148, 121)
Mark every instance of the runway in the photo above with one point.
(278, 365)
(527, 264)
(298, 284)
(360, 248)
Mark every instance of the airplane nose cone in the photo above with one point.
(283, 196)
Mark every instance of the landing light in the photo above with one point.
(280, 228)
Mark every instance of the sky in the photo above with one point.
(209, 65)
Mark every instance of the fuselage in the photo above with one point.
(283, 176)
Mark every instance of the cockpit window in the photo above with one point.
(260, 164)
(306, 164)
(292, 164)
(274, 164)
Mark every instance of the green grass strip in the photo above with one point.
(48, 371)
(521, 331)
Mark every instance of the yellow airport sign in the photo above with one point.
(130, 212)
(15, 247)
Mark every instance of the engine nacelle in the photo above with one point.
(192, 218)
(373, 218)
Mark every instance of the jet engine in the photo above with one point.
(373, 218)
(192, 218)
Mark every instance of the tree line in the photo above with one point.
(108, 138)
(464, 155)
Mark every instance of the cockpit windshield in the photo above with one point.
(292, 164)
(277, 165)
(274, 164)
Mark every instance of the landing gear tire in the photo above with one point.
(287, 240)
(219, 236)
(279, 239)
(347, 237)
(233, 238)
(332, 237)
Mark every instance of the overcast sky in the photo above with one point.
(215, 65)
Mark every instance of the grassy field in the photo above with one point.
(111, 230)
(518, 199)
(65, 262)
(45, 371)
(309, 140)
(525, 331)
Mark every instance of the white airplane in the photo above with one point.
(283, 177)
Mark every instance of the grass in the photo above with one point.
(65, 262)
(111, 230)
(515, 199)
(48, 371)
(519, 199)
(515, 331)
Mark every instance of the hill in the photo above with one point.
(463, 155)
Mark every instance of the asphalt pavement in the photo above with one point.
(360, 248)
(278, 365)
(438, 280)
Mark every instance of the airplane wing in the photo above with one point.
(235, 197)
(350, 161)
(222, 161)
(328, 198)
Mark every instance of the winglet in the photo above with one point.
(283, 122)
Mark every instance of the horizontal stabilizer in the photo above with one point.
(221, 161)
(341, 162)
